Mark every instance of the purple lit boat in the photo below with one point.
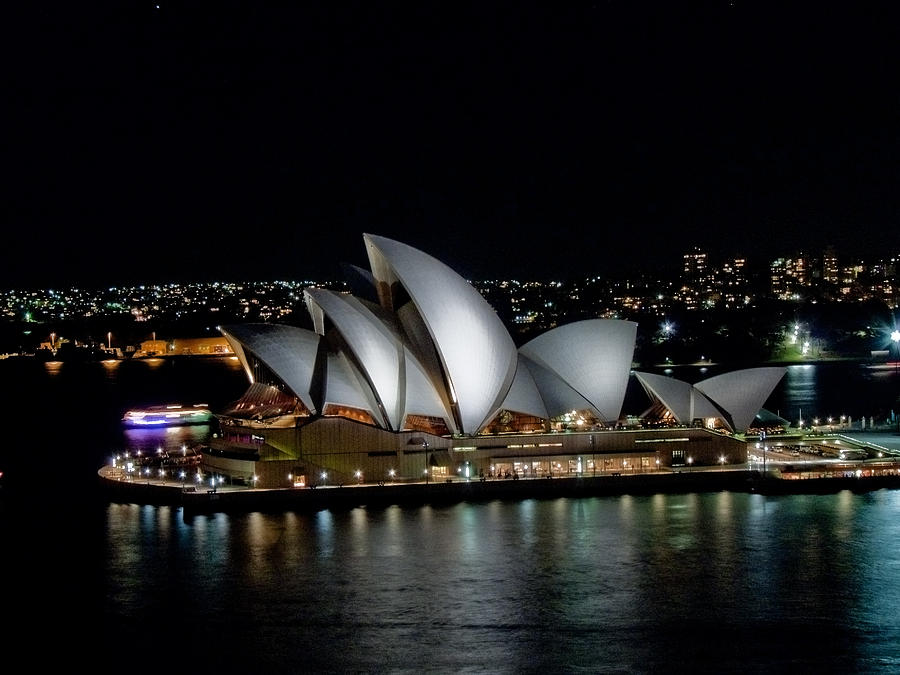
(168, 415)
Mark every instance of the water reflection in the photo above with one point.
(538, 584)
(801, 380)
(169, 439)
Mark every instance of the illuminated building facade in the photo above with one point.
(414, 376)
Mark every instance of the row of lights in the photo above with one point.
(358, 474)
(829, 420)
(215, 481)
(219, 480)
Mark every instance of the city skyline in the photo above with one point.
(795, 294)
(678, 266)
(157, 142)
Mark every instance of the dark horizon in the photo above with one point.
(114, 271)
(157, 141)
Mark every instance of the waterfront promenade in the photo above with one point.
(227, 497)
(782, 473)
(741, 478)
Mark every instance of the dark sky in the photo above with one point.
(257, 140)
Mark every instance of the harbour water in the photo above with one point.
(706, 582)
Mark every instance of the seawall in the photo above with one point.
(241, 499)
(417, 494)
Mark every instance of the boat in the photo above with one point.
(169, 415)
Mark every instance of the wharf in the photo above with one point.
(246, 499)
(229, 498)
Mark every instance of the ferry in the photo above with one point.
(168, 415)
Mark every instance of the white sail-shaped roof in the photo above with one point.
(523, 396)
(558, 395)
(398, 381)
(672, 393)
(421, 396)
(703, 407)
(376, 349)
(735, 398)
(593, 357)
(477, 354)
(289, 352)
(433, 347)
(344, 386)
(742, 393)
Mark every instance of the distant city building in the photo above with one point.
(696, 278)
(830, 268)
(212, 346)
(789, 277)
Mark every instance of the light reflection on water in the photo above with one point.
(832, 390)
(171, 439)
(730, 581)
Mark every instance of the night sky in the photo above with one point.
(239, 141)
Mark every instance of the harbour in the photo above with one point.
(377, 574)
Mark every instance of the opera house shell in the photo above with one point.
(414, 375)
(732, 399)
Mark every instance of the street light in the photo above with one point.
(593, 458)
(690, 463)
(425, 452)
(895, 336)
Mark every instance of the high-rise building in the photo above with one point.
(831, 272)
(696, 273)
(731, 282)
(789, 276)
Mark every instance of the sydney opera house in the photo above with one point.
(413, 377)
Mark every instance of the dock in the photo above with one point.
(197, 499)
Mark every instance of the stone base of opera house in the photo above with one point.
(332, 452)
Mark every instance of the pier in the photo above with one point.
(196, 499)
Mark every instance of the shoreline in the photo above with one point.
(245, 499)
